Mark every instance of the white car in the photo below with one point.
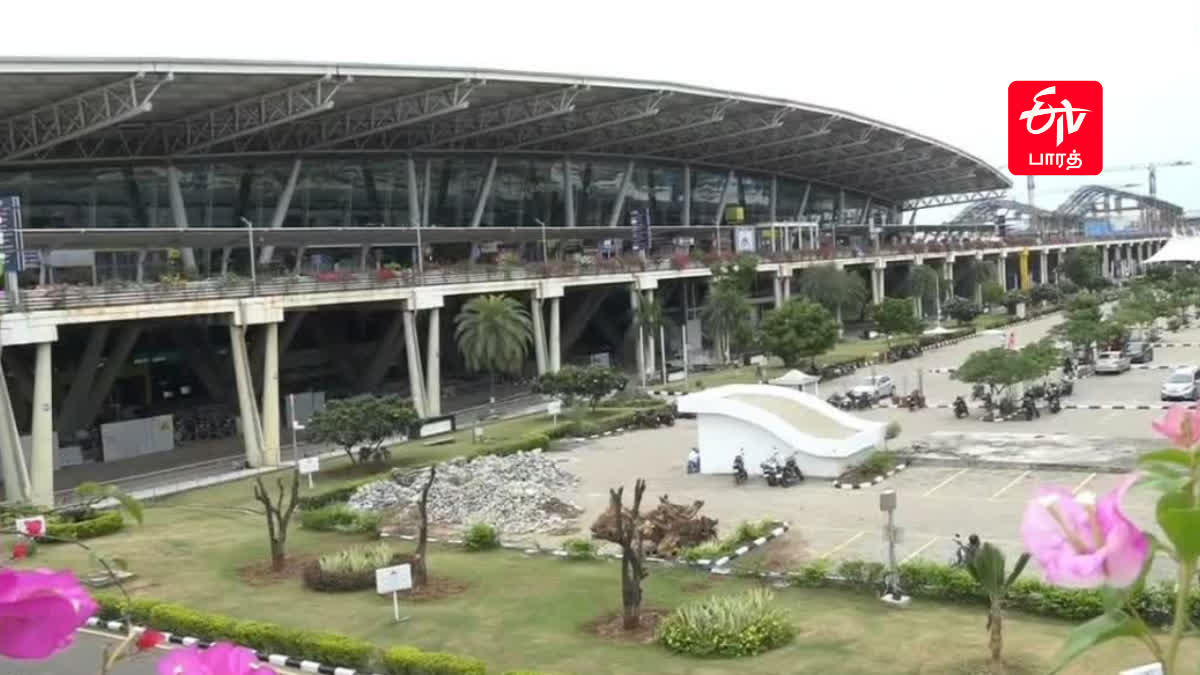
(1184, 383)
(877, 387)
(1112, 362)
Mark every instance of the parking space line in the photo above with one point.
(919, 551)
(1018, 479)
(944, 483)
(857, 535)
(1083, 483)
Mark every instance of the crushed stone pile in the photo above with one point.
(516, 494)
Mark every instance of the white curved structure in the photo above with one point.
(761, 419)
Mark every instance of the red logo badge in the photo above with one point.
(1055, 128)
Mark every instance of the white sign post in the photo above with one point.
(554, 409)
(308, 466)
(393, 580)
(22, 525)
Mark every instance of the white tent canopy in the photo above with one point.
(798, 378)
(1180, 248)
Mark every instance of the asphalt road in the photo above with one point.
(83, 658)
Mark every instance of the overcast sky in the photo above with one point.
(939, 68)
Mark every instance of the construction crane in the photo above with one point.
(1151, 167)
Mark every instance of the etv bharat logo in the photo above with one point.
(1073, 110)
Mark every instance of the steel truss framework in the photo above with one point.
(314, 110)
(1082, 202)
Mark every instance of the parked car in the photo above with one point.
(1183, 383)
(1139, 352)
(1112, 362)
(877, 387)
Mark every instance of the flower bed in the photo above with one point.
(349, 570)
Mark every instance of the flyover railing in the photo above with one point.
(231, 286)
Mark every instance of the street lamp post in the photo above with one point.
(253, 260)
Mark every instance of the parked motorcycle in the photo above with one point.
(858, 401)
(960, 408)
(1029, 407)
(1053, 404)
(965, 551)
(693, 463)
(1066, 386)
(791, 473)
(771, 471)
(914, 401)
(739, 469)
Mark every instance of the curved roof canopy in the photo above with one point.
(1082, 202)
(105, 111)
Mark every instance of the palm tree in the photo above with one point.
(727, 313)
(493, 333)
(987, 569)
(650, 321)
(834, 288)
(922, 283)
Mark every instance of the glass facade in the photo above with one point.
(375, 191)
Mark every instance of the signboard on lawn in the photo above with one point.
(393, 579)
(309, 465)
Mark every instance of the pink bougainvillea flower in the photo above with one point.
(222, 658)
(20, 550)
(1181, 426)
(1083, 543)
(34, 528)
(39, 612)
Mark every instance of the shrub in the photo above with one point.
(746, 532)
(411, 661)
(707, 551)
(105, 522)
(528, 442)
(749, 530)
(338, 517)
(349, 570)
(880, 463)
(481, 537)
(334, 496)
(728, 625)
(892, 430)
(579, 549)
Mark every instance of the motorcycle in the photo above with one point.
(739, 470)
(1029, 407)
(693, 463)
(771, 471)
(914, 401)
(1053, 404)
(837, 401)
(791, 473)
(858, 401)
(1066, 386)
(960, 408)
(965, 551)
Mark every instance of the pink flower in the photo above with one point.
(149, 639)
(20, 550)
(1082, 543)
(1181, 426)
(39, 612)
(222, 658)
(33, 528)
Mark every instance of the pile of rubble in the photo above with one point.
(516, 494)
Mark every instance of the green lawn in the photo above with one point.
(523, 611)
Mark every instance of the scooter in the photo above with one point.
(965, 551)
(739, 470)
(1053, 404)
(914, 401)
(772, 471)
(960, 408)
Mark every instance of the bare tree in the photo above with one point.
(420, 574)
(624, 527)
(278, 515)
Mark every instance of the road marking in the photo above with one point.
(919, 551)
(1013, 482)
(944, 483)
(1083, 483)
(857, 535)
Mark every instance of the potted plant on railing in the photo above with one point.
(681, 260)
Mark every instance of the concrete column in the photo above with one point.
(81, 383)
(270, 395)
(568, 193)
(385, 355)
(1044, 266)
(1105, 263)
(686, 216)
(12, 456)
(412, 350)
(247, 406)
(650, 339)
(787, 287)
(919, 306)
(539, 335)
(555, 336)
(1002, 272)
(41, 464)
(114, 363)
(179, 215)
(433, 364)
(777, 284)
(877, 285)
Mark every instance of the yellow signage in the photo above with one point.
(735, 214)
(1026, 279)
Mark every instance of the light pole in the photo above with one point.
(545, 254)
(253, 260)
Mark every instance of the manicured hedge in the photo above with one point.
(527, 442)
(934, 581)
(106, 522)
(412, 661)
(334, 496)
